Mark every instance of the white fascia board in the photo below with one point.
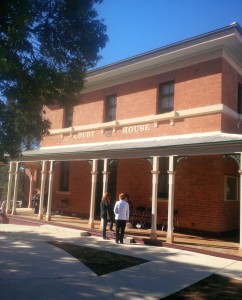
(155, 69)
(141, 68)
(234, 62)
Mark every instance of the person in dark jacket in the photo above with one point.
(104, 213)
(111, 214)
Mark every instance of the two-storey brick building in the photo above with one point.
(164, 127)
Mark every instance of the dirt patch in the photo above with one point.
(99, 261)
(103, 262)
(212, 287)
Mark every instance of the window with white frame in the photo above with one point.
(231, 188)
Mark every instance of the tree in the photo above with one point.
(46, 48)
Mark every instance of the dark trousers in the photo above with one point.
(112, 221)
(104, 225)
(120, 228)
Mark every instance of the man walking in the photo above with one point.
(121, 211)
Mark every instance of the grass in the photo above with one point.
(99, 261)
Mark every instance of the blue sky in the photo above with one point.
(137, 26)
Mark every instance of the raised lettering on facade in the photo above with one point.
(136, 128)
(83, 135)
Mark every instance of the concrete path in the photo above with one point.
(31, 269)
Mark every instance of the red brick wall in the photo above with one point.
(199, 194)
(79, 194)
(55, 115)
(198, 85)
(230, 86)
(195, 86)
(134, 179)
(199, 191)
(199, 188)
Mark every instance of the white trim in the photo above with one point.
(160, 138)
(170, 116)
(164, 146)
(125, 74)
(229, 57)
(167, 59)
(215, 134)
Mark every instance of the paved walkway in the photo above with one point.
(226, 247)
(31, 269)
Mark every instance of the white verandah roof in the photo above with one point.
(180, 145)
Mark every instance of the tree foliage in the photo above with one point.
(46, 47)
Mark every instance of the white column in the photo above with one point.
(155, 175)
(42, 189)
(32, 171)
(240, 217)
(171, 172)
(105, 176)
(15, 193)
(10, 185)
(93, 192)
(50, 191)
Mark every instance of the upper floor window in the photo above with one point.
(64, 176)
(68, 117)
(166, 97)
(240, 99)
(110, 108)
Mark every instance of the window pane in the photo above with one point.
(231, 188)
(166, 97)
(165, 89)
(240, 99)
(64, 176)
(163, 177)
(172, 88)
(68, 117)
(110, 108)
